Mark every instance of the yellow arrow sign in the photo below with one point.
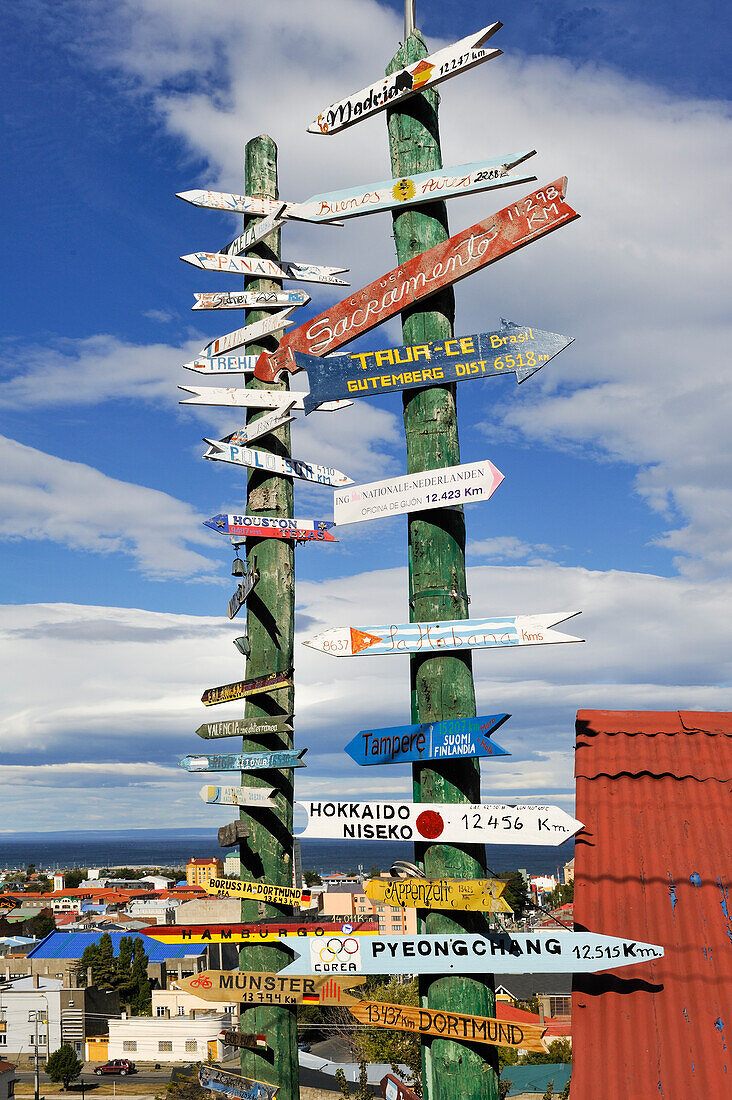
(451, 1025)
(262, 891)
(266, 987)
(478, 895)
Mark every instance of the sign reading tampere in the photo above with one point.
(246, 727)
(242, 689)
(502, 233)
(469, 823)
(514, 953)
(260, 891)
(244, 761)
(451, 739)
(265, 987)
(260, 932)
(451, 1025)
(511, 349)
(273, 527)
(397, 496)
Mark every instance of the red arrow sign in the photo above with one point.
(516, 225)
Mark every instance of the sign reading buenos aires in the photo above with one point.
(266, 987)
(451, 1025)
(451, 739)
(474, 895)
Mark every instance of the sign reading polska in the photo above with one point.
(425, 73)
(398, 496)
(266, 987)
(246, 727)
(251, 299)
(514, 953)
(244, 761)
(517, 225)
(223, 364)
(512, 349)
(451, 1025)
(233, 1085)
(441, 638)
(273, 527)
(474, 895)
(249, 334)
(275, 464)
(259, 891)
(242, 689)
(236, 204)
(259, 932)
(462, 823)
(260, 268)
(452, 739)
(238, 796)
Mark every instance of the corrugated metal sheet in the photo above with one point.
(70, 945)
(655, 863)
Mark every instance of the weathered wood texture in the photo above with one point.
(270, 626)
(442, 687)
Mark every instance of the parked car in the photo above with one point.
(122, 1066)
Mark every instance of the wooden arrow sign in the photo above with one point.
(507, 953)
(455, 738)
(259, 932)
(512, 349)
(273, 527)
(263, 425)
(232, 1085)
(238, 796)
(475, 895)
(246, 727)
(451, 1025)
(264, 987)
(260, 891)
(243, 761)
(510, 630)
(234, 833)
(243, 590)
(243, 1042)
(251, 299)
(399, 496)
(242, 398)
(425, 73)
(223, 364)
(394, 1089)
(517, 225)
(274, 464)
(461, 823)
(249, 334)
(242, 689)
(233, 204)
(260, 268)
(256, 232)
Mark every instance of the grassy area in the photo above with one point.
(94, 1088)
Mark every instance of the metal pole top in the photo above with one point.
(409, 17)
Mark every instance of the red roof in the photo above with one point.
(554, 1028)
(654, 863)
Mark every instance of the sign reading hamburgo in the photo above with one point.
(242, 689)
(425, 73)
(259, 268)
(451, 1025)
(264, 987)
(502, 233)
(275, 464)
(398, 496)
(249, 334)
(244, 761)
(511, 349)
(273, 527)
(251, 299)
(260, 891)
(475, 895)
(509, 630)
(243, 591)
(223, 364)
(259, 932)
(240, 398)
(466, 953)
(238, 796)
(246, 727)
(452, 739)
(233, 1085)
(459, 823)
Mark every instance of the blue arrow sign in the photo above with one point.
(448, 740)
(511, 349)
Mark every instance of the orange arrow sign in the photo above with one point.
(451, 1025)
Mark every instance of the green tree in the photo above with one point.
(362, 1091)
(507, 1056)
(184, 1086)
(63, 1065)
(516, 893)
(562, 894)
(142, 1000)
(312, 878)
(104, 972)
(503, 1087)
(559, 1051)
(393, 1047)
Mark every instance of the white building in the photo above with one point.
(24, 1005)
(159, 1039)
(155, 910)
(174, 1003)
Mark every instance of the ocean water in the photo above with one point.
(174, 847)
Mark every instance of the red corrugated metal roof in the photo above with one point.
(654, 863)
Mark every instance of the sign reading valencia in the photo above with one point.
(451, 1025)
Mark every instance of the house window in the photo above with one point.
(191, 1046)
(3, 1039)
(165, 1044)
(129, 1044)
(181, 1010)
(560, 1006)
(160, 1010)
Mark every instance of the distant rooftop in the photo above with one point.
(70, 945)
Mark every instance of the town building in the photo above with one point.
(7, 1080)
(201, 871)
(350, 901)
(171, 1003)
(44, 1012)
(175, 1039)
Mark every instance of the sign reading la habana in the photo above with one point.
(425, 73)
(249, 334)
(263, 425)
(451, 1025)
(473, 895)
(260, 891)
(451, 739)
(273, 527)
(499, 235)
(265, 987)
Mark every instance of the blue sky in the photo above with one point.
(616, 497)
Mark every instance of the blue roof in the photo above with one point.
(70, 945)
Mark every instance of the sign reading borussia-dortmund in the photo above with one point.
(511, 349)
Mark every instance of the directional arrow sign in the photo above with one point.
(265, 269)
(223, 364)
(241, 398)
(243, 591)
(265, 987)
(510, 630)
(512, 349)
(238, 796)
(251, 299)
(425, 73)
(454, 1025)
(274, 464)
(462, 823)
(455, 738)
(249, 334)
(232, 1085)
(475, 895)
(398, 496)
(246, 727)
(256, 932)
(517, 225)
(237, 204)
(243, 761)
(242, 689)
(256, 232)
(260, 891)
(263, 425)
(273, 527)
(394, 1089)
(515, 953)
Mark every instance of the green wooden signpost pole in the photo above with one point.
(267, 855)
(442, 687)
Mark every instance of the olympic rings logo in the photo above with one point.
(337, 949)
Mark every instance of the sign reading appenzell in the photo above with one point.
(242, 689)
(451, 1025)
(499, 235)
(264, 987)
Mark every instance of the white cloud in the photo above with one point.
(508, 548)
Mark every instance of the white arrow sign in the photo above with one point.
(265, 269)
(448, 823)
(256, 232)
(251, 299)
(238, 796)
(273, 464)
(240, 337)
(223, 364)
(242, 398)
(396, 496)
(270, 422)
(234, 204)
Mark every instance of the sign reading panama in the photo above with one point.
(451, 739)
